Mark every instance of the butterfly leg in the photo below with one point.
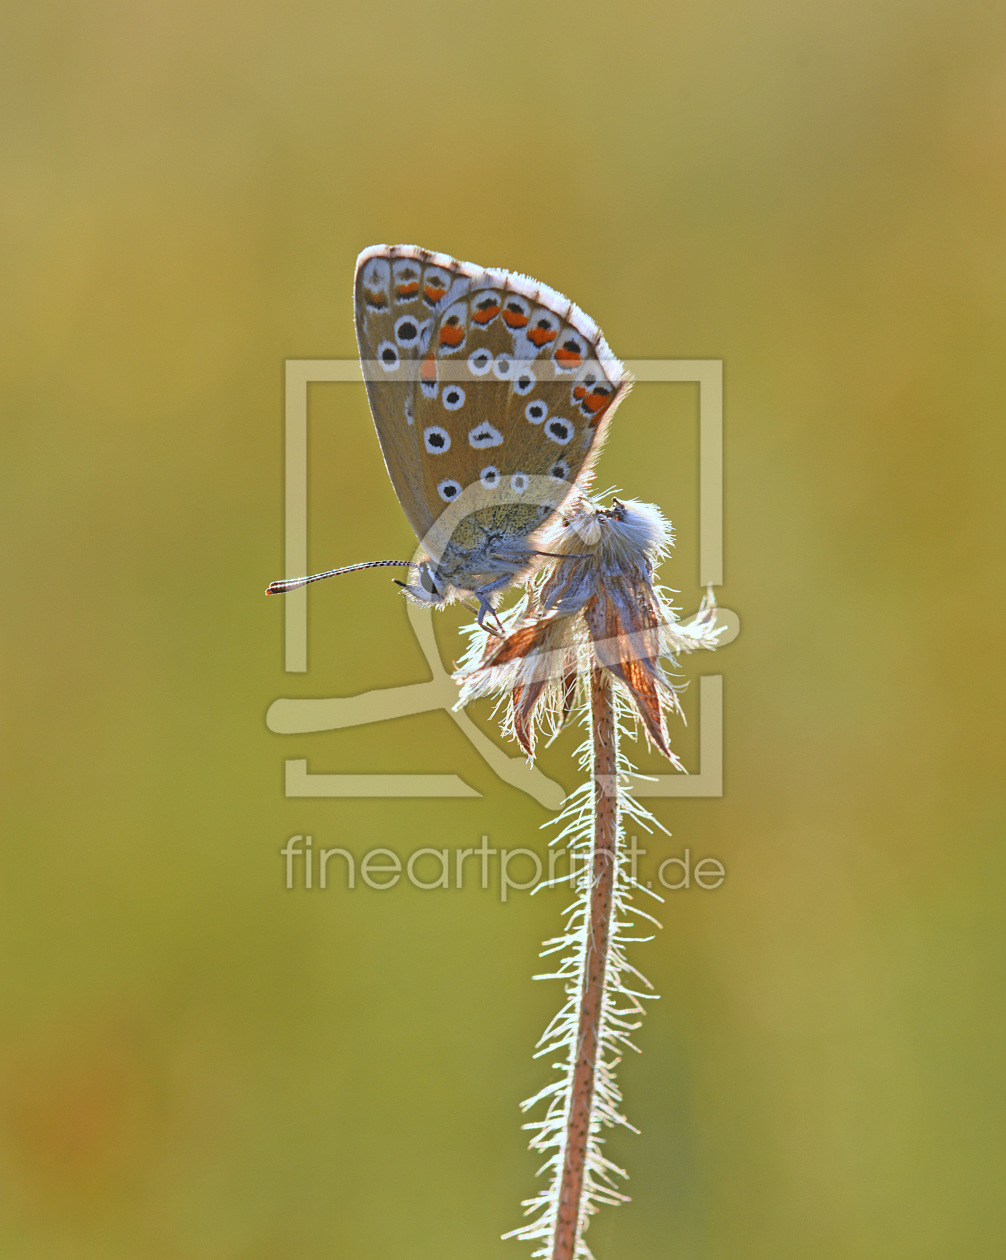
(486, 609)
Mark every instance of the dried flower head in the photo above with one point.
(595, 604)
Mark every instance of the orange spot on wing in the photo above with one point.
(407, 290)
(451, 335)
(376, 298)
(597, 403)
(428, 368)
(568, 358)
(542, 336)
(433, 293)
(579, 391)
(514, 319)
(485, 315)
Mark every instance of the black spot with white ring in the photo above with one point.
(560, 430)
(524, 383)
(454, 397)
(559, 470)
(518, 483)
(449, 489)
(490, 477)
(484, 435)
(387, 356)
(406, 331)
(536, 411)
(480, 361)
(436, 440)
(502, 367)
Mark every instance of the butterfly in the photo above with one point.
(491, 394)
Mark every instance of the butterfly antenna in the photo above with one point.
(291, 584)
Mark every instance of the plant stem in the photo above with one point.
(569, 1217)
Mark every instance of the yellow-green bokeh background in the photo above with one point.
(198, 1065)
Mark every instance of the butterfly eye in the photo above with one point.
(428, 581)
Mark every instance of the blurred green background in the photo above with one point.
(199, 1065)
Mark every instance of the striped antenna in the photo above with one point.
(291, 584)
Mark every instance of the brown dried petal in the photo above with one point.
(523, 702)
(518, 644)
(628, 653)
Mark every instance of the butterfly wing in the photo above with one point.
(516, 387)
(393, 326)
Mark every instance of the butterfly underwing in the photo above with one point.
(491, 395)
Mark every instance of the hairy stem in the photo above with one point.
(570, 1218)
